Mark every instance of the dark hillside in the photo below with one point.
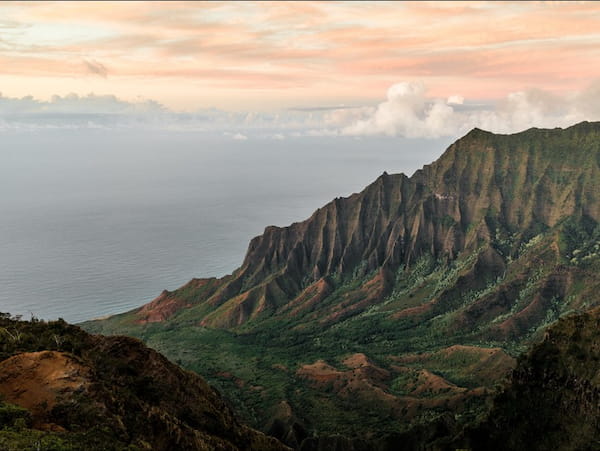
(64, 389)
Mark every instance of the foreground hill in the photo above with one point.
(391, 307)
(63, 389)
(553, 400)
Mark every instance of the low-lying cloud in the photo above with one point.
(407, 111)
(75, 104)
(108, 111)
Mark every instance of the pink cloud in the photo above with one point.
(350, 49)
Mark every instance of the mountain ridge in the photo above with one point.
(342, 234)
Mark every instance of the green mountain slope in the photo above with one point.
(388, 308)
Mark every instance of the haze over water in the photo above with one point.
(96, 222)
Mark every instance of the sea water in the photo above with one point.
(95, 222)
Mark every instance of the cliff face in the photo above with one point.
(525, 182)
(491, 191)
(482, 249)
(94, 392)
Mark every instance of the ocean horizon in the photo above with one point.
(98, 222)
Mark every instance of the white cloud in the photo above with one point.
(456, 100)
(75, 112)
(108, 111)
(239, 137)
(408, 112)
(344, 116)
(75, 104)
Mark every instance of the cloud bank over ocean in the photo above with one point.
(407, 111)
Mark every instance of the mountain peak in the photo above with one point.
(476, 132)
(584, 126)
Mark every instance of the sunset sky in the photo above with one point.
(343, 58)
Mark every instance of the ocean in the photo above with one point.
(95, 222)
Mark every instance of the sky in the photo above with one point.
(412, 69)
(191, 125)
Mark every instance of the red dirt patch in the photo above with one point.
(433, 384)
(413, 311)
(357, 360)
(363, 380)
(281, 367)
(36, 381)
(311, 295)
(485, 366)
(240, 383)
(319, 371)
(161, 308)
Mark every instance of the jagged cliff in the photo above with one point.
(482, 249)
(523, 182)
(484, 189)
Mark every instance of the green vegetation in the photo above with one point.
(22, 438)
(245, 364)
(580, 241)
(17, 434)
